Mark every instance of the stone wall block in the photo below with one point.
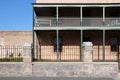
(87, 51)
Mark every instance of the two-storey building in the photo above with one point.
(61, 26)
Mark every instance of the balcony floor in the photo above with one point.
(78, 28)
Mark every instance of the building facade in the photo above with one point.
(60, 27)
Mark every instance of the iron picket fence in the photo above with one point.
(72, 54)
(68, 54)
(11, 53)
(47, 54)
(110, 56)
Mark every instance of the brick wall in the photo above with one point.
(71, 44)
(15, 37)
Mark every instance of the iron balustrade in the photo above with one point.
(112, 22)
(76, 22)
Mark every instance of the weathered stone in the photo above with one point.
(39, 74)
(87, 51)
(27, 53)
(62, 69)
(27, 69)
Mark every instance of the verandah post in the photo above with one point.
(103, 34)
(81, 32)
(36, 46)
(103, 45)
(81, 41)
(33, 33)
(57, 34)
(81, 16)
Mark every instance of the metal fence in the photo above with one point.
(68, 54)
(11, 53)
(72, 54)
(110, 56)
(47, 53)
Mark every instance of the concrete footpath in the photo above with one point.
(119, 75)
(51, 78)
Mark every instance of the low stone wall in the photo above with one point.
(15, 69)
(60, 69)
(76, 69)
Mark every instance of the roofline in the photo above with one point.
(75, 3)
(15, 30)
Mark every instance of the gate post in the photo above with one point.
(87, 51)
(27, 53)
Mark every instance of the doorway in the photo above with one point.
(86, 39)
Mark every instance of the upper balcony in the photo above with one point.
(76, 17)
(76, 22)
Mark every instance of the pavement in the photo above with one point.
(54, 78)
(119, 75)
(51, 78)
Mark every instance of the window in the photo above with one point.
(114, 44)
(86, 39)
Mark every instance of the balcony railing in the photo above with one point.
(76, 22)
(112, 22)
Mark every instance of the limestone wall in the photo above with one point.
(60, 69)
(15, 69)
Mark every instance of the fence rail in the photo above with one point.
(11, 53)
